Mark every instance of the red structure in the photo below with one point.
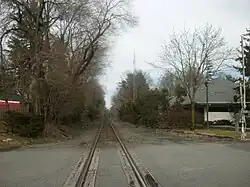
(12, 105)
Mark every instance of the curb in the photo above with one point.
(209, 135)
(218, 136)
(205, 134)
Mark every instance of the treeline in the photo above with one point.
(147, 106)
(52, 56)
(191, 58)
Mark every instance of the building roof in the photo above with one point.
(11, 97)
(219, 91)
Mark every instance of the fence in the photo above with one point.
(3, 111)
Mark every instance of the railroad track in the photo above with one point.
(142, 179)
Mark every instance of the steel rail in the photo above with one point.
(146, 181)
(138, 174)
(87, 163)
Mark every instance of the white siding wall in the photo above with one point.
(212, 116)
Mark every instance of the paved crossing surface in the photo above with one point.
(205, 165)
(173, 163)
(39, 167)
(110, 172)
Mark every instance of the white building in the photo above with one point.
(221, 100)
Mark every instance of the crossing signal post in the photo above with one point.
(243, 92)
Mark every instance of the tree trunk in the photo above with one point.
(36, 107)
(192, 115)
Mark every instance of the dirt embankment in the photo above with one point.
(54, 134)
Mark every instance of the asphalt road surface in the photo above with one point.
(43, 165)
(38, 167)
(110, 172)
(201, 165)
(183, 164)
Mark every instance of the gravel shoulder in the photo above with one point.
(142, 135)
(63, 135)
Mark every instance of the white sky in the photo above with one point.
(158, 18)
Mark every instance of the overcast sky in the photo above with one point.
(158, 18)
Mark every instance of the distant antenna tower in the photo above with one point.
(134, 78)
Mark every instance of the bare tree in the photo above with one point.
(192, 55)
(86, 28)
(168, 82)
(57, 49)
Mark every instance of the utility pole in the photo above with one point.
(207, 105)
(243, 108)
(241, 103)
(134, 78)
